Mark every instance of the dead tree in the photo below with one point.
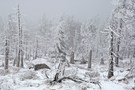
(19, 27)
(20, 40)
(36, 52)
(16, 51)
(77, 80)
(26, 49)
(72, 58)
(110, 71)
(118, 44)
(102, 61)
(6, 54)
(90, 59)
(22, 53)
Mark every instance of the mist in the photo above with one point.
(67, 44)
(33, 10)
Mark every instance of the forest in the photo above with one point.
(65, 53)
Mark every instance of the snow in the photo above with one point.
(39, 61)
(27, 79)
(111, 86)
(69, 85)
(42, 61)
(109, 28)
(53, 36)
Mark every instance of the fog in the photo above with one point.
(33, 10)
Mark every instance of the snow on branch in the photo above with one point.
(114, 54)
(104, 32)
(113, 31)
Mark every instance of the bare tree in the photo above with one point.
(118, 44)
(36, 52)
(90, 59)
(6, 53)
(110, 71)
(20, 54)
(72, 58)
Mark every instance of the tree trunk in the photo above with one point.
(26, 54)
(90, 59)
(102, 61)
(6, 54)
(21, 43)
(36, 50)
(118, 44)
(72, 58)
(22, 54)
(18, 61)
(110, 71)
(15, 59)
(19, 37)
(117, 57)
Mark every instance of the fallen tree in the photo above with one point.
(77, 80)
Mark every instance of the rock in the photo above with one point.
(40, 66)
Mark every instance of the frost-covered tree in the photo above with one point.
(2, 36)
(20, 48)
(122, 20)
(88, 33)
(47, 34)
(111, 62)
(61, 44)
(122, 29)
(6, 54)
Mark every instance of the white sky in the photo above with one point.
(80, 9)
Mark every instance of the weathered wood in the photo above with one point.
(110, 71)
(78, 80)
(90, 59)
(19, 38)
(64, 78)
(22, 54)
(118, 44)
(36, 52)
(102, 61)
(6, 54)
(56, 77)
(72, 58)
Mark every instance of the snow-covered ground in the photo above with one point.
(27, 79)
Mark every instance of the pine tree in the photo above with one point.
(61, 45)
